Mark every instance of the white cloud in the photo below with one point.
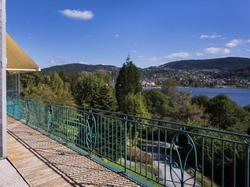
(217, 51)
(78, 14)
(150, 58)
(178, 55)
(212, 36)
(234, 43)
(237, 42)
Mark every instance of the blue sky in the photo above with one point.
(153, 32)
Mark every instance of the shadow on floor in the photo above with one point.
(75, 169)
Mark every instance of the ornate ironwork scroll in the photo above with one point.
(91, 126)
(183, 158)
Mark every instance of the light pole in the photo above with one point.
(3, 63)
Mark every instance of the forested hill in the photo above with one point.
(224, 64)
(229, 64)
(242, 73)
(78, 68)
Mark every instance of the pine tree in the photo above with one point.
(128, 82)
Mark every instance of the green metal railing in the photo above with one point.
(153, 152)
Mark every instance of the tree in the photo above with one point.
(63, 76)
(46, 88)
(225, 113)
(55, 83)
(31, 79)
(94, 90)
(201, 100)
(159, 104)
(135, 105)
(128, 82)
(169, 88)
(247, 108)
(105, 98)
(191, 113)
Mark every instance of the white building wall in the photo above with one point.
(3, 63)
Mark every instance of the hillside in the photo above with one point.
(229, 64)
(223, 64)
(244, 73)
(78, 68)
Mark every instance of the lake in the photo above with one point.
(239, 95)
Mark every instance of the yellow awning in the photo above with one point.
(17, 59)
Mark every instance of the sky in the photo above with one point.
(151, 32)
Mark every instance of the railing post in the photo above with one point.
(125, 143)
(18, 105)
(67, 124)
(90, 132)
(222, 164)
(49, 117)
(247, 165)
(28, 112)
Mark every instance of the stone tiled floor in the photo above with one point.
(44, 162)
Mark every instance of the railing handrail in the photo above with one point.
(166, 122)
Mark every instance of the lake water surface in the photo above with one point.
(239, 95)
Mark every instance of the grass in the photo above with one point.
(206, 180)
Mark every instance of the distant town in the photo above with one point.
(196, 78)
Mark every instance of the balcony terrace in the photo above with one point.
(56, 145)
